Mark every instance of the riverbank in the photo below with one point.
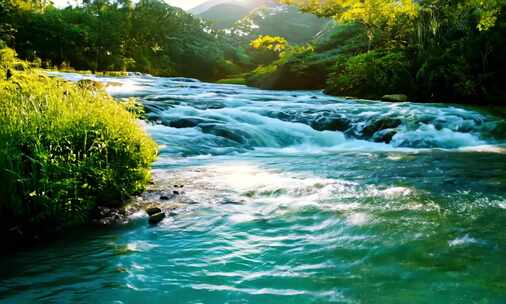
(65, 150)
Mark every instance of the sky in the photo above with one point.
(184, 4)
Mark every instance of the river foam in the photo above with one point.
(196, 118)
(292, 197)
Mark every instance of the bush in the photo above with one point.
(65, 150)
(372, 75)
(298, 68)
(7, 58)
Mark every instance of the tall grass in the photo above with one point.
(64, 150)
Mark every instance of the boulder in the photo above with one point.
(156, 218)
(153, 210)
(165, 197)
(331, 124)
(185, 123)
(379, 125)
(395, 98)
(385, 136)
(223, 131)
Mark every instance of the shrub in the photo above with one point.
(298, 68)
(372, 74)
(65, 150)
(7, 57)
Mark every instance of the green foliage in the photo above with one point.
(379, 17)
(8, 57)
(430, 49)
(106, 35)
(371, 74)
(297, 68)
(266, 49)
(307, 67)
(272, 43)
(64, 150)
(235, 80)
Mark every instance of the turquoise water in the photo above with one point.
(322, 212)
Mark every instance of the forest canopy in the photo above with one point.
(428, 49)
(146, 36)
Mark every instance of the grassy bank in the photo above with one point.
(239, 79)
(64, 151)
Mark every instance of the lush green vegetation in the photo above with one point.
(65, 149)
(429, 50)
(105, 35)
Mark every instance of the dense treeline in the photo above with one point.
(429, 50)
(148, 36)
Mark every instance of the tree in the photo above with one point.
(378, 16)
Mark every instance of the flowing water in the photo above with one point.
(301, 198)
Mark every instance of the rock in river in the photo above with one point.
(156, 218)
(185, 123)
(379, 125)
(153, 210)
(331, 124)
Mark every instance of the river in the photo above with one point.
(300, 198)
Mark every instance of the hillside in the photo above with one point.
(202, 8)
(249, 19)
(224, 15)
(279, 20)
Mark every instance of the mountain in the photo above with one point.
(251, 4)
(203, 7)
(224, 15)
(279, 20)
(251, 18)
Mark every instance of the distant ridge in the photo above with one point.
(202, 8)
(224, 15)
(249, 4)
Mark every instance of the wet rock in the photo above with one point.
(222, 131)
(156, 218)
(379, 125)
(109, 216)
(331, 124)
(175, 192)
(165, 197)
(153, 210)
(395, 98)
(185, 123)
(231, 202)
(385, 136)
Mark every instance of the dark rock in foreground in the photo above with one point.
(156, 218)
(379, 125)
(331, 124)
(153, 210)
